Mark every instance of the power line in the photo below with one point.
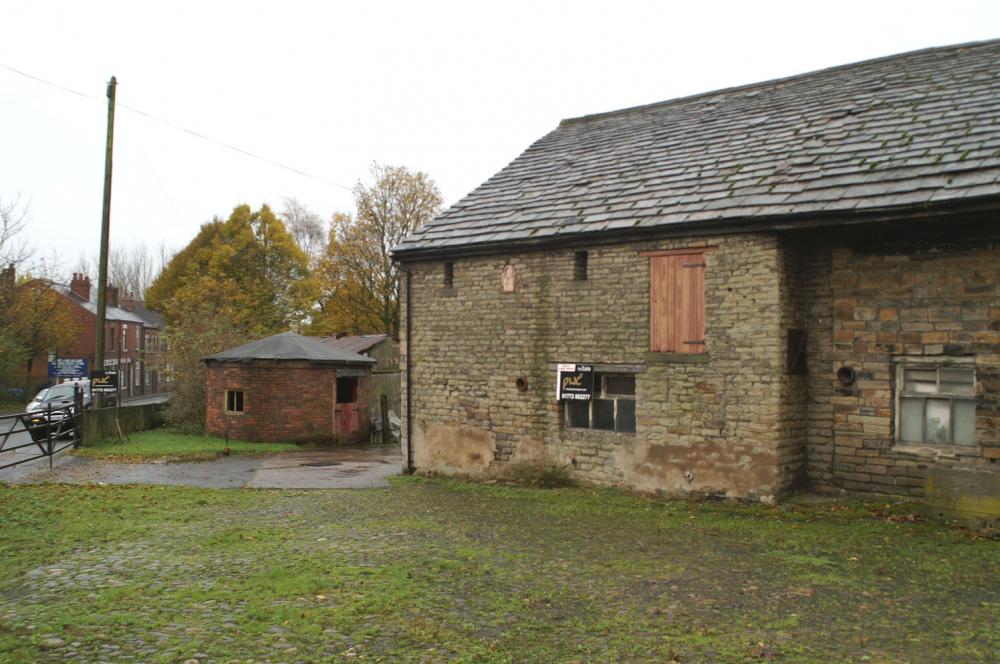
(178, 127)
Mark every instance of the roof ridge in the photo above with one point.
(903, 132)
(580, 119)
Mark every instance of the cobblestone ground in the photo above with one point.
(429, 571)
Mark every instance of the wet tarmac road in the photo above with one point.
(327, 468)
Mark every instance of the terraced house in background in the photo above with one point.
(787, 284)
(134, 345)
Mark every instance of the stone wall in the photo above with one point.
(102, 424)
(715, 422)
(733, 420)
(876, 299)
(283, 401)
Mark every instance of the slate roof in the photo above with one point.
(152, 318)
(289, 346)
(355, 343)
(110, 312)
(883, 135)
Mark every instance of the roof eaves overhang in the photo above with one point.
(247, 360)
(735, 225)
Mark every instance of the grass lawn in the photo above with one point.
(436, 570)
(168, 445)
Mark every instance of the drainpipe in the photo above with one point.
(409, 370)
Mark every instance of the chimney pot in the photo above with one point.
(80, 286)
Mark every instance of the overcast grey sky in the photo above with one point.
(453, 89)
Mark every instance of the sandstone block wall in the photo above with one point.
(872, 301)
(716, 422)
(735, 420)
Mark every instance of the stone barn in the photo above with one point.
(789, 284)
(288, 388)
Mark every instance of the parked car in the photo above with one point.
(60, 396)
(53, 407)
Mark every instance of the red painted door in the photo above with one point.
(346, 421)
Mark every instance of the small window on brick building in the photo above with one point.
(795, 354)
(936, 404)
(449, 275)
(677, 301)
(347, 389)
(580, 266)
(612, 407)
(234, 401)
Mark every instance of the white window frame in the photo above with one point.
(900, 364)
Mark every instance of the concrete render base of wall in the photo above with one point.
(965, 494)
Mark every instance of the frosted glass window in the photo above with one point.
(937, 405)
(911, 415)
(964, 422)
(957, 381)
(937, 416)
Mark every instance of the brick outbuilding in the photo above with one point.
(288, 388)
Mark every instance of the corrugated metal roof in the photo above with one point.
(355, 343)
(890, 135)
(289, 346)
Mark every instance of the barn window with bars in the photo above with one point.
(611, 409)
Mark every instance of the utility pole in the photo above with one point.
(102, 278)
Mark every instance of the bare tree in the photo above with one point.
(357, 277)
(132, 268)
(86, 264)
(14, 217)
(306, 227)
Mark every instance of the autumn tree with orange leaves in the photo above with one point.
(38, 319)
(239, 279)
(357, 280)
(34, 319)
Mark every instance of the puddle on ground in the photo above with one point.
(321, 464)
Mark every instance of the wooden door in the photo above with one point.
(347, 421)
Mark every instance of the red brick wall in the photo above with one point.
(283, 401)
(84, 345)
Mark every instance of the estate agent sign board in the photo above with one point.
(103, 381)
(68, 367)
(575, 382)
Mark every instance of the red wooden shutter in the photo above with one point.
(691, 308)
(677, 302)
